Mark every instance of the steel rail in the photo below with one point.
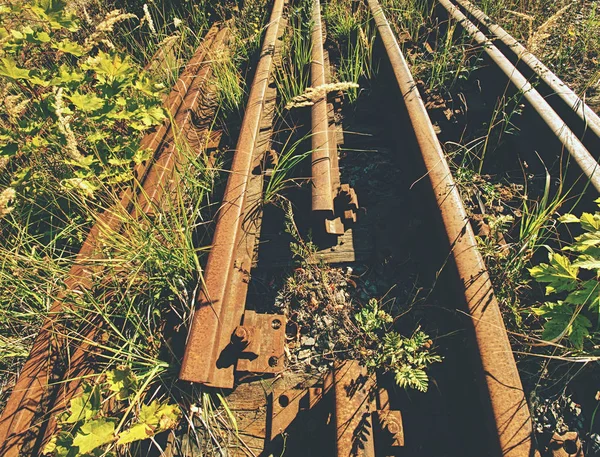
(503, 396)
(220, 304)
(154, 195)
(322, 182)
(19, 423)
(583, 111)
(572, 144)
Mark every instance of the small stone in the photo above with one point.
(308, 341)
(304, 354)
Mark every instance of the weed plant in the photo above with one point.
(565, 35)
(350, 31)
(292, 73)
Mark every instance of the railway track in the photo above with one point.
(240, 348)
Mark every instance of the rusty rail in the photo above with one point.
(502, 392)
(322, 182)
(572, 144)
(333, 204)
(214, 345)
(29, 415)
(583, 111)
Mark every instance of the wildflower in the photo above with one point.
(7, 196)
(148, 19)
(177, 22)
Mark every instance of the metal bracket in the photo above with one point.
(261, 338)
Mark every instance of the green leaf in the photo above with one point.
(109, 67)
(8, 68)
(9, 149)
(138, 432)
(86, 406)
(69, 47)
(86, 102)
(93, 434)
(590, 222)
(588, 295)
(560, 275)
(568, 219)
(66, 76)
(81, 185)
(152, 116)
(60, 445)
(153, 418)
(587, 262)
(561, 322)
(122, 381)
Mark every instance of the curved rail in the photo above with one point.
(509, 413)
(583, 111)
(572, 144)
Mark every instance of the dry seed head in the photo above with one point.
(542, 33)
(7, 196)
(148, 19)
(15, 105)
(106, 26)
(65, 127)
(313, 94)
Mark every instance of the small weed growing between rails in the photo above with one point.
(350, 30)
(332, 324)
(292, 74)
(386, 350)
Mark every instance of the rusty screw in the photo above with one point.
(241, 336)
(393, 426)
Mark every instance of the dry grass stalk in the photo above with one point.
(529, 20)
(313, 94)
(543, 32)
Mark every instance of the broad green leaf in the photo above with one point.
(86, 406)
(561, 323)
(588, 295)
(86, 102)
(60, 445)
(42, 37)
(93, 434)
(69, 47)
(157, 413)
(122, 381)
(153, 418)
(66, 76)
(8, 68)
(9, 149)
(82, 185)
(109, 67)
(587, 262)
(560, 275)
(568, 219)
(590, 222)
(138, 432)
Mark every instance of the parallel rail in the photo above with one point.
(571, 142)
(29, 417)
(226, 339)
